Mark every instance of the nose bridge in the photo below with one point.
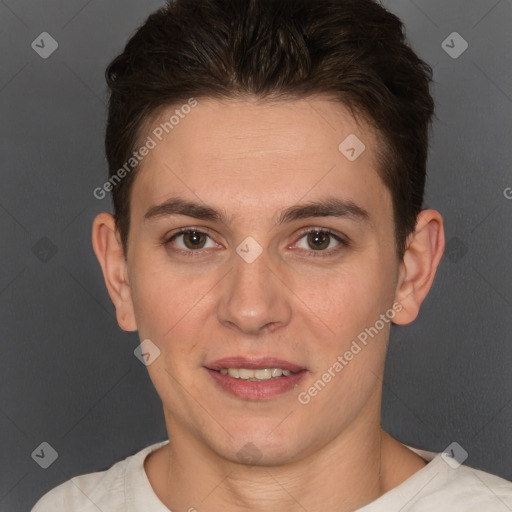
(254, 297)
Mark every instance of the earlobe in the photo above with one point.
(424, 251)
(109, 251)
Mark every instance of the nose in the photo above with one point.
(255, 296)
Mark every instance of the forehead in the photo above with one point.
(259, 153)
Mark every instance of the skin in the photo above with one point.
(252, 159)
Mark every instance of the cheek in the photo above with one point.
(347, 300)
(171, 303)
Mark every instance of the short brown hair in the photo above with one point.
(352, 50)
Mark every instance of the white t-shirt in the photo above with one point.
(439, 487)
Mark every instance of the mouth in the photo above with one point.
(260, 374)
(255, 378)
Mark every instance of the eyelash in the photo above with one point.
(343, 243)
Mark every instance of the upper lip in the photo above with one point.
(254, 363)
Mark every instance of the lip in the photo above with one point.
(255, 390)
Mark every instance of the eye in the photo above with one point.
(322, 241)
(319, 240)
(191, 239)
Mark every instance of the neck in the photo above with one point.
(351, 471)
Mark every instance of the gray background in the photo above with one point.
(68, 375)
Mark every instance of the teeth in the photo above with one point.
(259, 374)
(245, 374)
(263, 374)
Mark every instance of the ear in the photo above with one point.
(109, 251)
(424, 251)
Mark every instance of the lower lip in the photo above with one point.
(257, 390)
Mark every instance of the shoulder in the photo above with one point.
(85, 492)
(462, 488)
(475, 490)
(92, 491)
(445, 485)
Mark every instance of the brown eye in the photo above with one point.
(322, 241)
(190, 240)
(194, 239)
(318, 240)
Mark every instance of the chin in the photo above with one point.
(263, 445)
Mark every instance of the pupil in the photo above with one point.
(316, 240)
(195, 238)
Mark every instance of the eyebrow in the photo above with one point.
(327, 207)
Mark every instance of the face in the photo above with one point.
(251, 279)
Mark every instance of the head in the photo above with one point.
(271, 117)
(353, 51)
